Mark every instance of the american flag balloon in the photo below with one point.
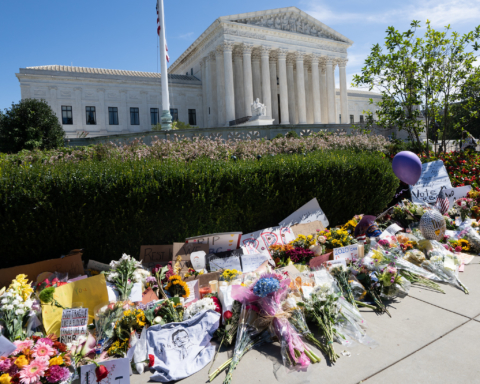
(442, 203)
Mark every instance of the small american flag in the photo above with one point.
(158, 33)
(442, 203)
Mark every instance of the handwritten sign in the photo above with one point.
(198, 260)
(118, 372)
(185, 251)
(261, 241)
(306, 214)
(151, 255)
(194, 287)
(250, 263)
(218, 242)
(74, 324)
(434, 178)
(225, 263)
(6, 347)
(457, 193)
(346, 253)
(393, 229)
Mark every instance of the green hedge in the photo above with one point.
(113, 207)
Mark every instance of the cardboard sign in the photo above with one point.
(151, 255)
(118, 372)
(308, 228)
(6, 347)
(148, 296)
(194, 291)
(205, 278)
(251, 263)
(74, 324)
(318, 261)
(185, 251)
(232, 262)
(218, 242)
(346, 253)
(434, 178)
(261, 241)
(393, 229)
(72, 265)
(457, 193)
(306, 214)
(91, 292)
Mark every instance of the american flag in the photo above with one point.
(158, 33)
(442, 203)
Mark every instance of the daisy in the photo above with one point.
(21, 345)
(33, 372)
(44, 351)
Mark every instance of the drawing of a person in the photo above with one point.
(181, 342)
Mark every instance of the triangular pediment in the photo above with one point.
(289, 19)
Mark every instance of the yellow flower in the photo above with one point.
(58, 360)
(464, 244)
(21, 361)
(377, 256)
(302, 237)
(309, 237)
(5, 379)
(127, 312)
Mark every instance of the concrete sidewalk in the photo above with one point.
(430, 338)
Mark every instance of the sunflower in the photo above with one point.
(140, 318)
(464, 244)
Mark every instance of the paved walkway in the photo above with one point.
(430, 338)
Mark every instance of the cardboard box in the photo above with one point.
(308, 228)
(72, 265)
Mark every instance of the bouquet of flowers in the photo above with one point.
(391, 282)
(470, 240)
(335, 238)
(105, 320)
(192, 273)
(37, 360)
(168, 311)
(464, 207)
(298, 251)
(15, 307)
(124, 273)
(229, 275)
(350, 225)
(407, 212)
(132, 321)
(342, 274)
(202, 305)
(176, 287)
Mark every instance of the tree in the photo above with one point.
(30, 124)
(415, 74)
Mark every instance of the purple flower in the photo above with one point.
(57, 374)
(5, 365)
(299, 254)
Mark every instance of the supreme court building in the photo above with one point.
(284, 57)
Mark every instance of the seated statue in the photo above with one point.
(258, 109)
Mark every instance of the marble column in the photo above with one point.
(102, 113)
(323, 91)
(302, 109)
(77, 108)
(308, 93)
(257, 76)
(274, 86)
(208, 70)
(213, 80)
(239, 84)
(282, 74)
(343, 92)
(203, 68)
(330, 92)
(266, 91)
(292, 108)
(317, 115)
(126, 111)
(229, 89)
(145, 120)
(247, 77)
(221, 120)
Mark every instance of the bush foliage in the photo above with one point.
(30, 124)
(112, 207)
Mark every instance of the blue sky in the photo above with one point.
(121, 34)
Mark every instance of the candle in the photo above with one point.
(213, 286)
(204, 290)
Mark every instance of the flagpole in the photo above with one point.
(166, 117)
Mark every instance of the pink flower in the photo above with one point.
(32, 373)
(458, 249)
(43, 351)
(57, 374)
(46, 340)
(21, 345)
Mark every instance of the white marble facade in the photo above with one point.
(284, 57)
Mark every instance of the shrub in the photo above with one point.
(188, 150)
(110, 207)
(30, 124)
(292, 134)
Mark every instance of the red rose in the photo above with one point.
(228, 315)
(217, 304)
(151, 360)
(102, 372)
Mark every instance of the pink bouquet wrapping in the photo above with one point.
(268, 293)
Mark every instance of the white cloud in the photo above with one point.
(186, 35)
(439, 12)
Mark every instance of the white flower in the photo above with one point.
(199, 306)
(125, 257)
(157, 320)
(322, 239)
(4, 301)
(28, 303)
(112, 276)
(15, 302)
(114, 264)
(19, 312)
(8, 307)
(69, 346)
(464, 203)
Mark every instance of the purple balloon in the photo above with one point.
(407, 167)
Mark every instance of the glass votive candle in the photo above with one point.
(204, 290)
(213, 286)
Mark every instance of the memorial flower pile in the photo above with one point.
(36, 359)
(125, 273)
